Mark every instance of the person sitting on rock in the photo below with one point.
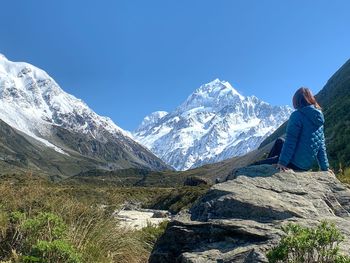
(304, 142)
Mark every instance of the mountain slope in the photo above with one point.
(213, 124)
(21, 153)
(33, 103)
(334, 99)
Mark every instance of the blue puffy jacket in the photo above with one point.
(305, 140)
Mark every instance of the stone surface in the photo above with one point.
(138, 219)
(240, 219)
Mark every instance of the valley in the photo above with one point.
(175, 131)
(112, 199)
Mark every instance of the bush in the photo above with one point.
(56, 251)
(302, 244)
(37, 239)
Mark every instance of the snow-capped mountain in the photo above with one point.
(213, 124)
(33, 103)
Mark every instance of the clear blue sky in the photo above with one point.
(128, 58)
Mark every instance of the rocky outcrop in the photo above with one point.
(240, 219)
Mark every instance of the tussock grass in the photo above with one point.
(180, 198)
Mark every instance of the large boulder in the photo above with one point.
(240, 219)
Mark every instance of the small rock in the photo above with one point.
(160, 214)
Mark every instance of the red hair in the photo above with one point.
(303, 97)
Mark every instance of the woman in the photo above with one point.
(304, 142)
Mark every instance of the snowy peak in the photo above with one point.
(215, 94)
(217, 88)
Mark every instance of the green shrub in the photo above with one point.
(44, 226)
(41, 238)
(302, 244)
(56, 251)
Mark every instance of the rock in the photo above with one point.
(161, 214)
(240, 220)
(138, 219)
(195, 181)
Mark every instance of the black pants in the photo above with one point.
(274, 156)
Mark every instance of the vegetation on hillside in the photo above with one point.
(335, 100)
(42, 221)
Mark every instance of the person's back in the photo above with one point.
(305, 140)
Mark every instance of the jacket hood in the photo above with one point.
(313, 114)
